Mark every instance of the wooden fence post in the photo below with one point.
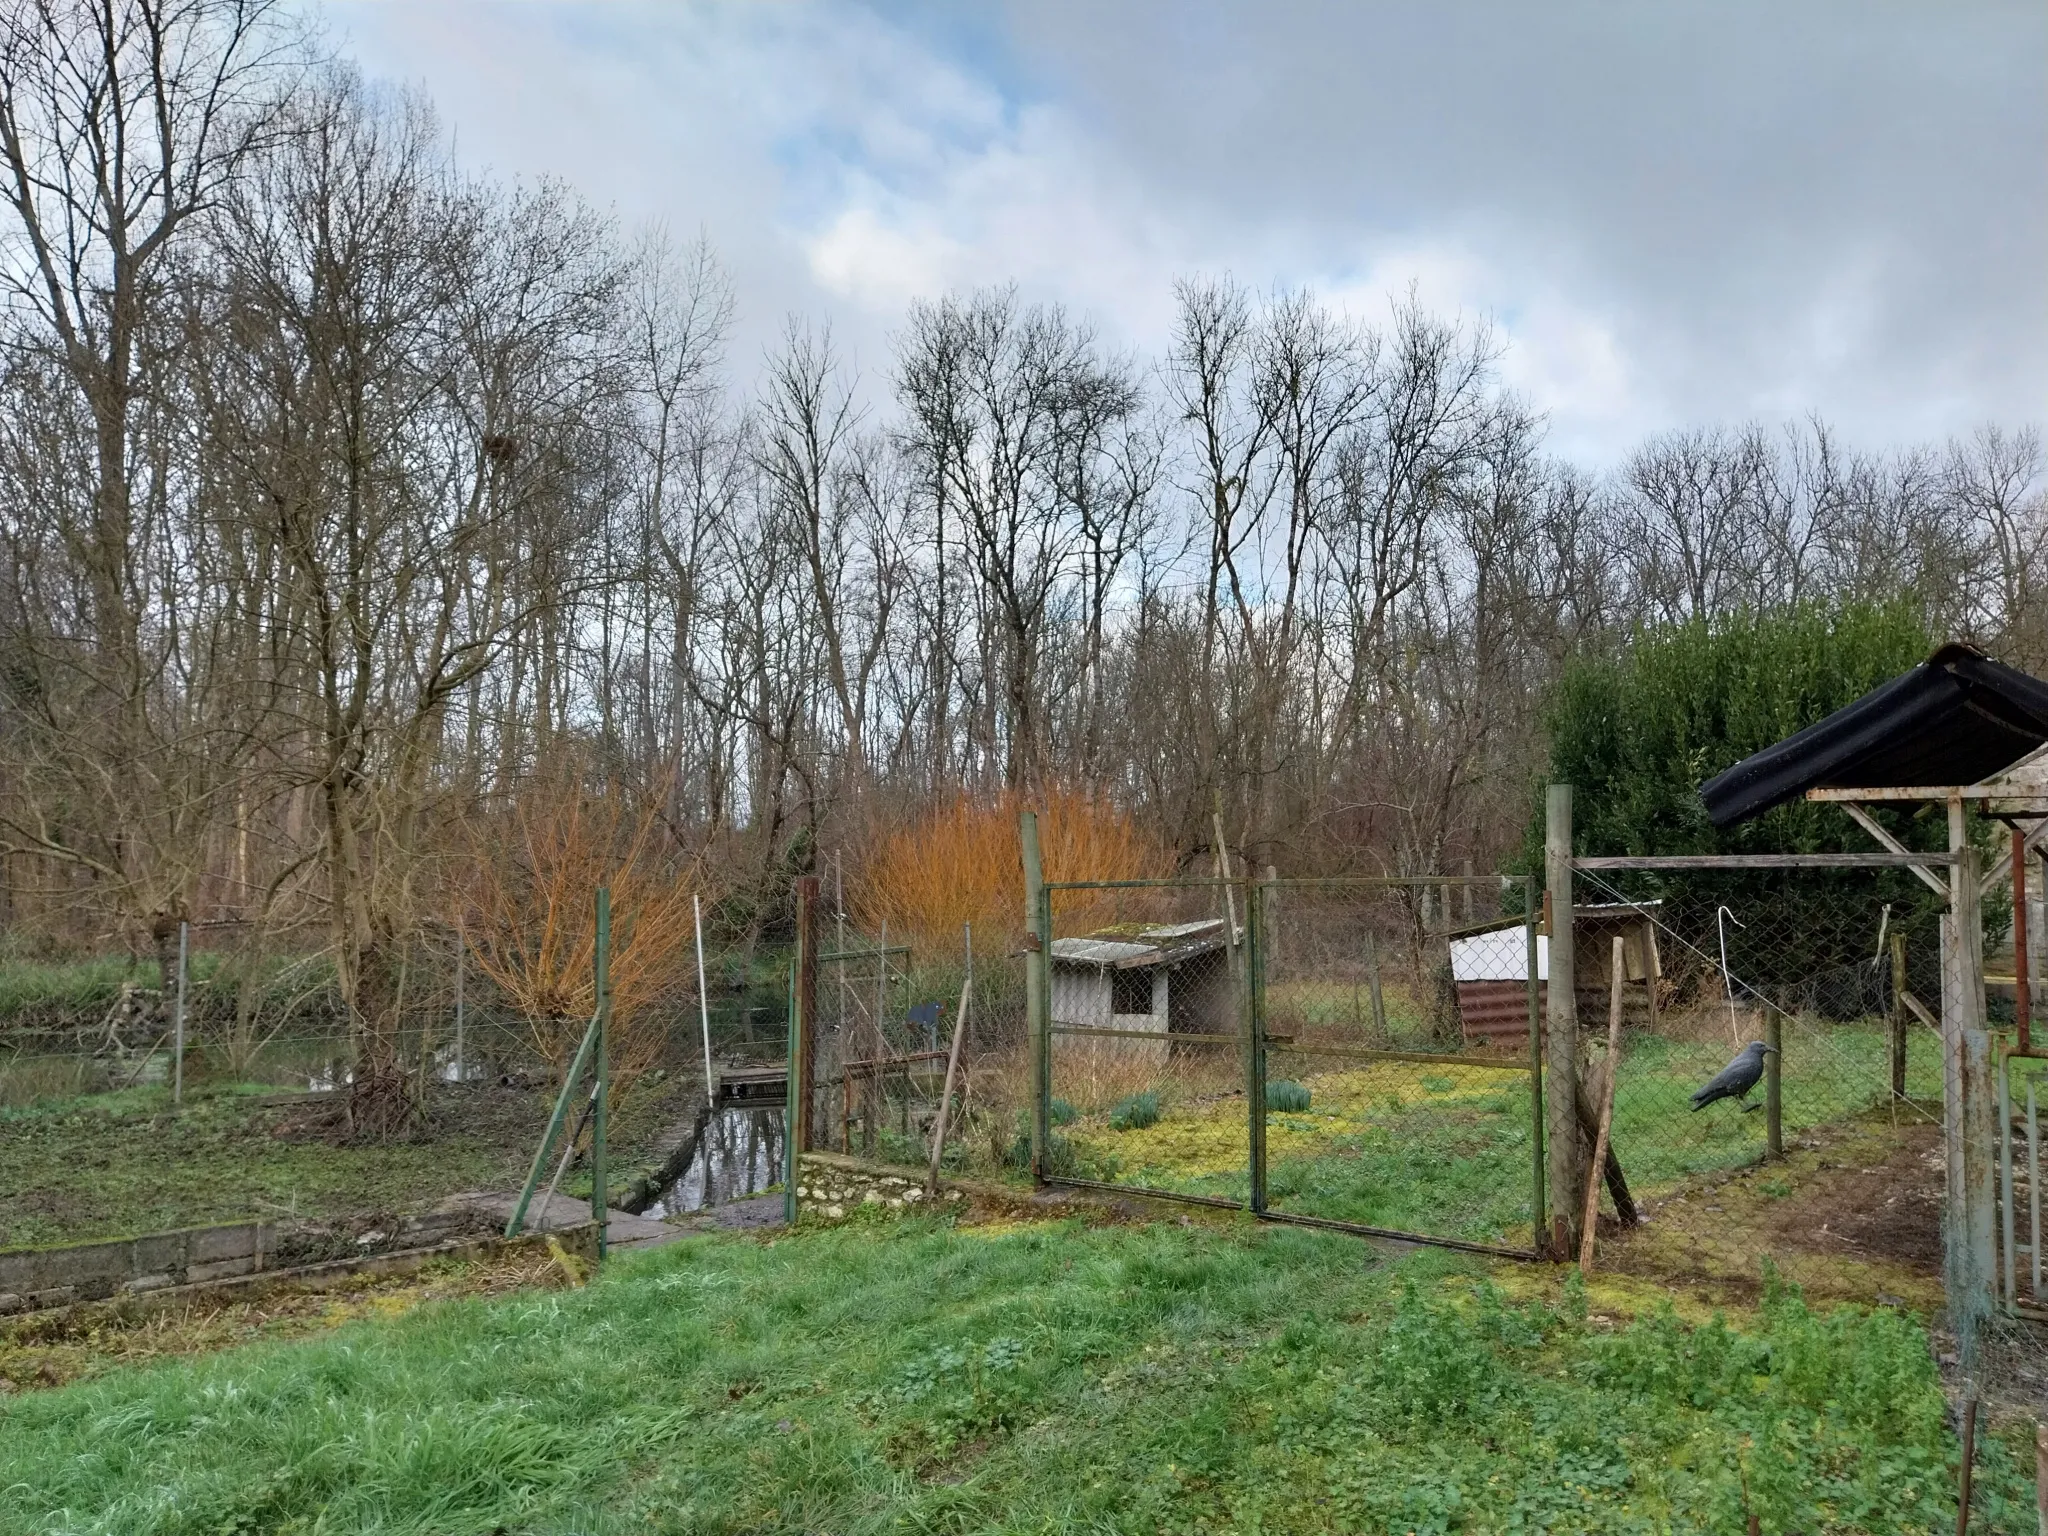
(599, 1196)
(1969, 1110)
(1899, 1014)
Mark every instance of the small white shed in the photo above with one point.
(1158, 979)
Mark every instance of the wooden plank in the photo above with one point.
(1873, 794)
(1104, 1032)
(1423, 1058)
(1870, 824)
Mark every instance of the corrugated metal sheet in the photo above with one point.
(1496, 1013)
(1956, 718)
(1102, 951)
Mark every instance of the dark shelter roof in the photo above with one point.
(1956, 718)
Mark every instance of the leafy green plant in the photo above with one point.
(1135, 1112)
(1062, 1112)
(1287, 1096)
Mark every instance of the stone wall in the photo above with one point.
(831, 1188)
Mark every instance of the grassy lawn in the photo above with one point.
(1446, 1149)
(116, 1163)
(888, 1377)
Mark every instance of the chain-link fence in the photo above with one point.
(887, 1009)
(697, 1082)
(1380, 1027)
(1778, 1089)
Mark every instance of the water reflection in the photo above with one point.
(739, 1154)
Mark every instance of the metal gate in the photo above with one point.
(1354, 1054)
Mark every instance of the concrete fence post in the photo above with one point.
(1567, 1154)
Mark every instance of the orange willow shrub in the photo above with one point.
(528, 910)
(963, 862)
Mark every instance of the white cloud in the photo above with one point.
(1646, 260)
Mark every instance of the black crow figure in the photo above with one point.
(1736, 1079)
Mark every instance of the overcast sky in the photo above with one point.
(1673, 213)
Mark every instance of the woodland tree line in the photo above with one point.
(350, 500)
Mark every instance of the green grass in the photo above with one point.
(1446, 1150)
(1046, 1378)
(113, 1164)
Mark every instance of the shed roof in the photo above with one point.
(1956, 718)
(1135, 948)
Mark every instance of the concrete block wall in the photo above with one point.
(34, 1278)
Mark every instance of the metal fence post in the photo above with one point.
(2005, 1213)
(1566, 1149)
(178, 1019)
(1530, 904)
(1254, 1024)
(1037, 1006)
(792, 1116)
(1774, 1117)
(461, 965)
(803, 1130)
(599, 1204)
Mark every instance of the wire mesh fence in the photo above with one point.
(887, 1010)
(1351, 1053)
(1778, 1087)
(1399, 1081)
(1145, 998)
(271, 1031)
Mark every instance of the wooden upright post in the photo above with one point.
(1969, 1111)
(804, 1132)
(2022, 990)
(1591, 1223)
(600, 1113)
(1567, 1172)
(1899, 1014)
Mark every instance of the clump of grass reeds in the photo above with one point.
(1287, 1096)
(69, 985)
(1135, 1112)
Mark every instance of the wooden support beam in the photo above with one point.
(1890, 844)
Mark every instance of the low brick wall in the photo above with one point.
(830, 1188)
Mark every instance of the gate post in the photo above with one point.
(1567, 1155)
(1532, 920)
(1255, 902)
(804, 1095)
(1969, 1111)
(1037, 1006)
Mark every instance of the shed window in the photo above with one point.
(1130, 991)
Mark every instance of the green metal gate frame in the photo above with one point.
(1253, 1037)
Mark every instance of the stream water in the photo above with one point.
(739, 1154)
